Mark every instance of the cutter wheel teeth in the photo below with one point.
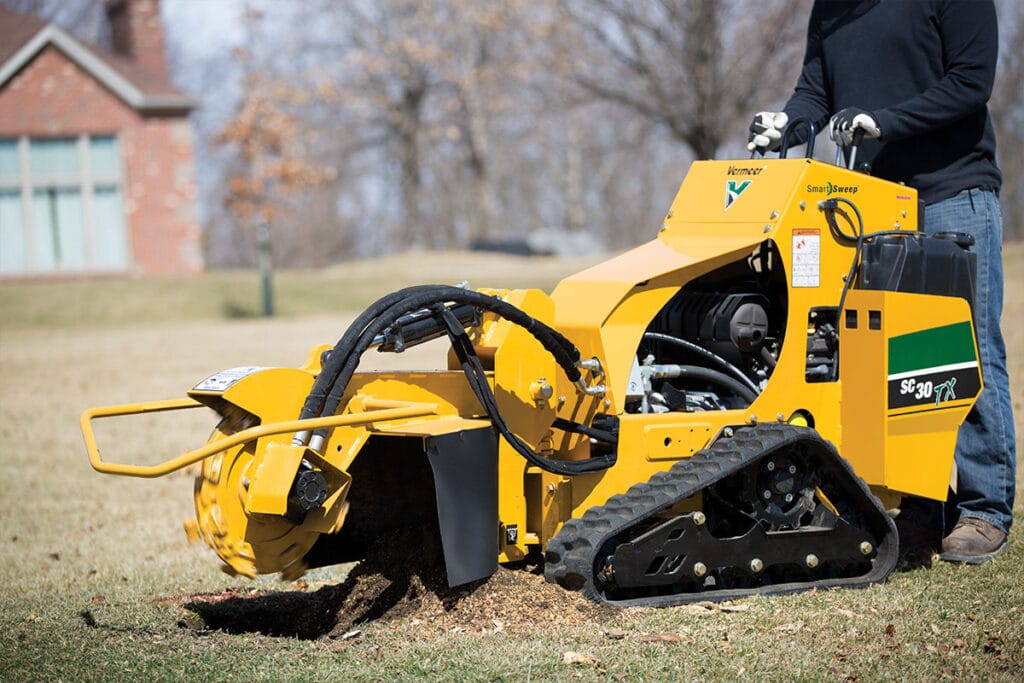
(636, 550)
(248, 544)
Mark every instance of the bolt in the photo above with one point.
(699, 569)
(756, 565)
(753, 419)
(774, 215)
(541, 390)
(866, 548)
(771, 465)
(766, 494)
(699, 518)
(767, 227)
(551, 489)
(812, 561)
(803, 205)
(779, 417)
(789, 497)
(727, 432)
(792, 469)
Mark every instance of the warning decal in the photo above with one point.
(225, 378)
(806, 257)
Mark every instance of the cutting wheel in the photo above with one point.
(249, 544)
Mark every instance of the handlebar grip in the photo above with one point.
(858, 137)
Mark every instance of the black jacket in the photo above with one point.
(924, 69)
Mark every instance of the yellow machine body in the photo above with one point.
(903, 367)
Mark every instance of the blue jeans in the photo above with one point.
(986, 456)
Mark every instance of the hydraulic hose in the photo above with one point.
(478, 382)
(720, 378)
(696, 348)
(329, 387)
(563, 351)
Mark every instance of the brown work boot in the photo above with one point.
(973, 541)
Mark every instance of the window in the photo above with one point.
(61, 206)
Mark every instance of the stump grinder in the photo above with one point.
(729, 409)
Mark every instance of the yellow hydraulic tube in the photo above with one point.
(377, 411)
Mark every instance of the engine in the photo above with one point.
(714, 345)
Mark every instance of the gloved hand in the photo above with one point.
(766, 131)
(842, 126)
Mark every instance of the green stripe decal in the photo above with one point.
(935, 347)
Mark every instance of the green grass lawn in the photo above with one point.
(236, 294)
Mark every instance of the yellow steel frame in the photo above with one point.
(605, 311)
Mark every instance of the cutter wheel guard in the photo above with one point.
(727, 410)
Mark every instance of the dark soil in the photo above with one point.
(402, 581)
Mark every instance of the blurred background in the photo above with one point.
(185, 135)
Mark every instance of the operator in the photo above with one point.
(915, 78)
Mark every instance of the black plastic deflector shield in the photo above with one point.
(465, 466)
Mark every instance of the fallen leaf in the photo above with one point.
(729, 607)
(192, 624)
(790, 628)
(615, 634)
(349, 635)
(993, 644)
(579, 659)
(701, 608)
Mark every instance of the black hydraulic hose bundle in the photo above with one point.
(329, 387)
(474, 372)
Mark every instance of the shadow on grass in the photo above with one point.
(290, 614)
(366, 596)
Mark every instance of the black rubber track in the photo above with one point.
(577, 552)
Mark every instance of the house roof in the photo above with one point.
(23, 36)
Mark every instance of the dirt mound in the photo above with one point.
(402, 581)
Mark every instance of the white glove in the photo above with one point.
(846, 122)
(766, 131)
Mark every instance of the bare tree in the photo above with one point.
(695, 66)
(86, 19)
(273, 164)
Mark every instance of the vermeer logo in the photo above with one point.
(733, 190)
(745, 170)
(829, 189)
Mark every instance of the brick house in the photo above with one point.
(96, 164)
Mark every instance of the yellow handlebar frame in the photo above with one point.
(377, 411)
